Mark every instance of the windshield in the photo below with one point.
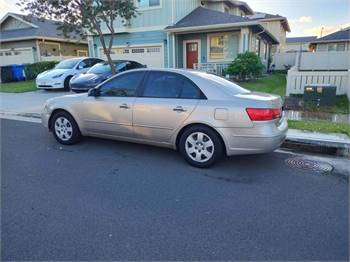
(67, 64)
(104, 68)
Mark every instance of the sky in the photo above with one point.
(306, 17)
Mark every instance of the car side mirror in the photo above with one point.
(80, 67)
(95, 92)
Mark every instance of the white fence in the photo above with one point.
(283, 60)
(297, 80)
(214, 68)
(324, 61)
(307, 61)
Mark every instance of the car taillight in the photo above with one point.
(264, 114)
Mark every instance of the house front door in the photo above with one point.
(191, 54)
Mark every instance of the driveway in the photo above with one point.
(104, 200)
(28, 103)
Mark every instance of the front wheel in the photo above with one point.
(65, 129)
(66, 83)
(201, 146)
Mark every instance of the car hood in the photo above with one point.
(83, 78)
(53, 72)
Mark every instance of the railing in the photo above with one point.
(214, 68)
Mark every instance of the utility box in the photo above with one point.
(320, 95)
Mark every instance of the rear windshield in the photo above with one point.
(228, 85)
(67, 64)
(104, 68)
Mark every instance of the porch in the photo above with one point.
(197, 42)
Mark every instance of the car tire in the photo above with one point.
(66, 83)
(201, 146)
(65, 129)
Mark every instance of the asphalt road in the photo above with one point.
(105, 200)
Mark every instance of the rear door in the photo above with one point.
(165, 102)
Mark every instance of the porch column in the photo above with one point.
(244, 40)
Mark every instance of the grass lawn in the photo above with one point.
(273, 84)
(276, 84)
(320, 126)
(18, 87)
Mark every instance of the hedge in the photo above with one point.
(32, 70)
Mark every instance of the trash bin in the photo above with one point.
(6, 74)
(18, 73)
(320, 95)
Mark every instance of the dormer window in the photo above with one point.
(148, 4)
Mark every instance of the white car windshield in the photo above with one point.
(67, 64)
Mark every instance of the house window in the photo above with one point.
(8, 53)
(144, 4)
(221, 47)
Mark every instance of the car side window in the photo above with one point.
(170, 85)
(84, 64)
(190, 90)
(162, 85)
(122, 86)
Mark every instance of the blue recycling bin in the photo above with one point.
(18, 73)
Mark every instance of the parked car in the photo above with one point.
(203, 116)
(60, 76)
(99, 73)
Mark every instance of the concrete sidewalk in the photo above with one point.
(29, 103)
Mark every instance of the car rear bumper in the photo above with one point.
(263, 137)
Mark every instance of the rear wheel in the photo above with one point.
(65, 129)
(201, 146)
(66, 83)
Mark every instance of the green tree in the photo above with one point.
(246, 65)
(83, 17)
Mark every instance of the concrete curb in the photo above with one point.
(330, 144)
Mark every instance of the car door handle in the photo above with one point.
(124, 106)
(179, 109)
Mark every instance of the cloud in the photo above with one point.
(326, 30)
(301, 20)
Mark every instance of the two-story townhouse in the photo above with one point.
(188, 34)
(277, 25)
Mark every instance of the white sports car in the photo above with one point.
(60, 76)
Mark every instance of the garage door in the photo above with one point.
(152, 56)
(16, 56)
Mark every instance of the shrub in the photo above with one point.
(245, 66)
(32, 70)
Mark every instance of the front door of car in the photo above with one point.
(165, 102)
(110, 113)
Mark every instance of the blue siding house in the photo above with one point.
(200, 34)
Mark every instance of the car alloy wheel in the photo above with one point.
(199, 147)
(63, 128)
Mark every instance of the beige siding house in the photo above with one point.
(25, 39)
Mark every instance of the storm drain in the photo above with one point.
(311, 165)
